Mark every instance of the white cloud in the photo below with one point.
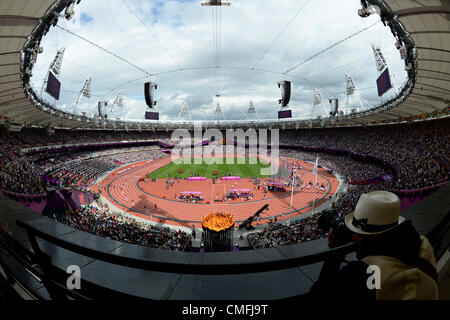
(184, 28)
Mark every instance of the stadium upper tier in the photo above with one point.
(422, 32)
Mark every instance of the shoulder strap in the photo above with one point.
(427, 268)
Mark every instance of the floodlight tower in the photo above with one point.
(85, 92)
(55, 67)
(381, 64)
(185, 112)
(379, 58)
(353, 92)
(117, 103)
(219, 112)
(251, 113)
(318, 101)
(119, 100)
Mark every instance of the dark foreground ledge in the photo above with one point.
(135, 271)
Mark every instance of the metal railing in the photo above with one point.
(40, 265)
(54, 279)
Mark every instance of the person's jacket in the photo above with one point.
(406, 261)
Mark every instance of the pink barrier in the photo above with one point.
(406, 192)
(196, 193)
(197, 179)
(231, 178)
(35, 206)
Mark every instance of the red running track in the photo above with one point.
(154, 201)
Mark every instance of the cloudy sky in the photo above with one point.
(260, 40)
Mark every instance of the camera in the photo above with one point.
(329, 218)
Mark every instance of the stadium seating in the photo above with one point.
(417, 155)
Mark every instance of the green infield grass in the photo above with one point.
(207, 170)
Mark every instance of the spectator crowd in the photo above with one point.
(99, 220)
(86, 170)
(279, 234)
(418, 155)
(419, 152)
(17, 174)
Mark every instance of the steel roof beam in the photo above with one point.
(422, 105)
(435, 87)
(12, 89)
(15, 21)
(430, 32)
(11, 36)
(431, 97)
(10, 64)
(423, 10)
(428, 70)
(8, 82)
(431, 78)
(31, 119)
(433, 49)
(12, 101)
(18, 111)
(10, 52)
(8, 75)
(434, 60)
(435, 91)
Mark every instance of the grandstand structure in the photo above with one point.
(424, 49)
(38, 250)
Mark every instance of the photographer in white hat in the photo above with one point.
(402, 263)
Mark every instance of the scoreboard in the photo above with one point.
(151, 115)
(53, 86)
(284, 114)
(384, 82)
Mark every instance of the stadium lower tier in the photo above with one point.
(158, 200)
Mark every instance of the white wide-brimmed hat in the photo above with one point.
(375, 213)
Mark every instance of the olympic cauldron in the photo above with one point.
(218, 228)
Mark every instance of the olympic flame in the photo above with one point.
(218, 221)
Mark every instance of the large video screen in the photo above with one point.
(384, 82)
(284, 114)
(151, 115)
(53, 86)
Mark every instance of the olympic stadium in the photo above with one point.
(186, 150)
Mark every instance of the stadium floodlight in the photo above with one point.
(251, 112)
(217, 3)
(69, 13)
(185, 113)
(365, 12)
(56, 64)
(379, 58)
(317, 97)
(86, 90)
(36, 49)
(403, 52)
(34, 57)
(119, 101)
(219, 112)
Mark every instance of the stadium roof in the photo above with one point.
(427, 24)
